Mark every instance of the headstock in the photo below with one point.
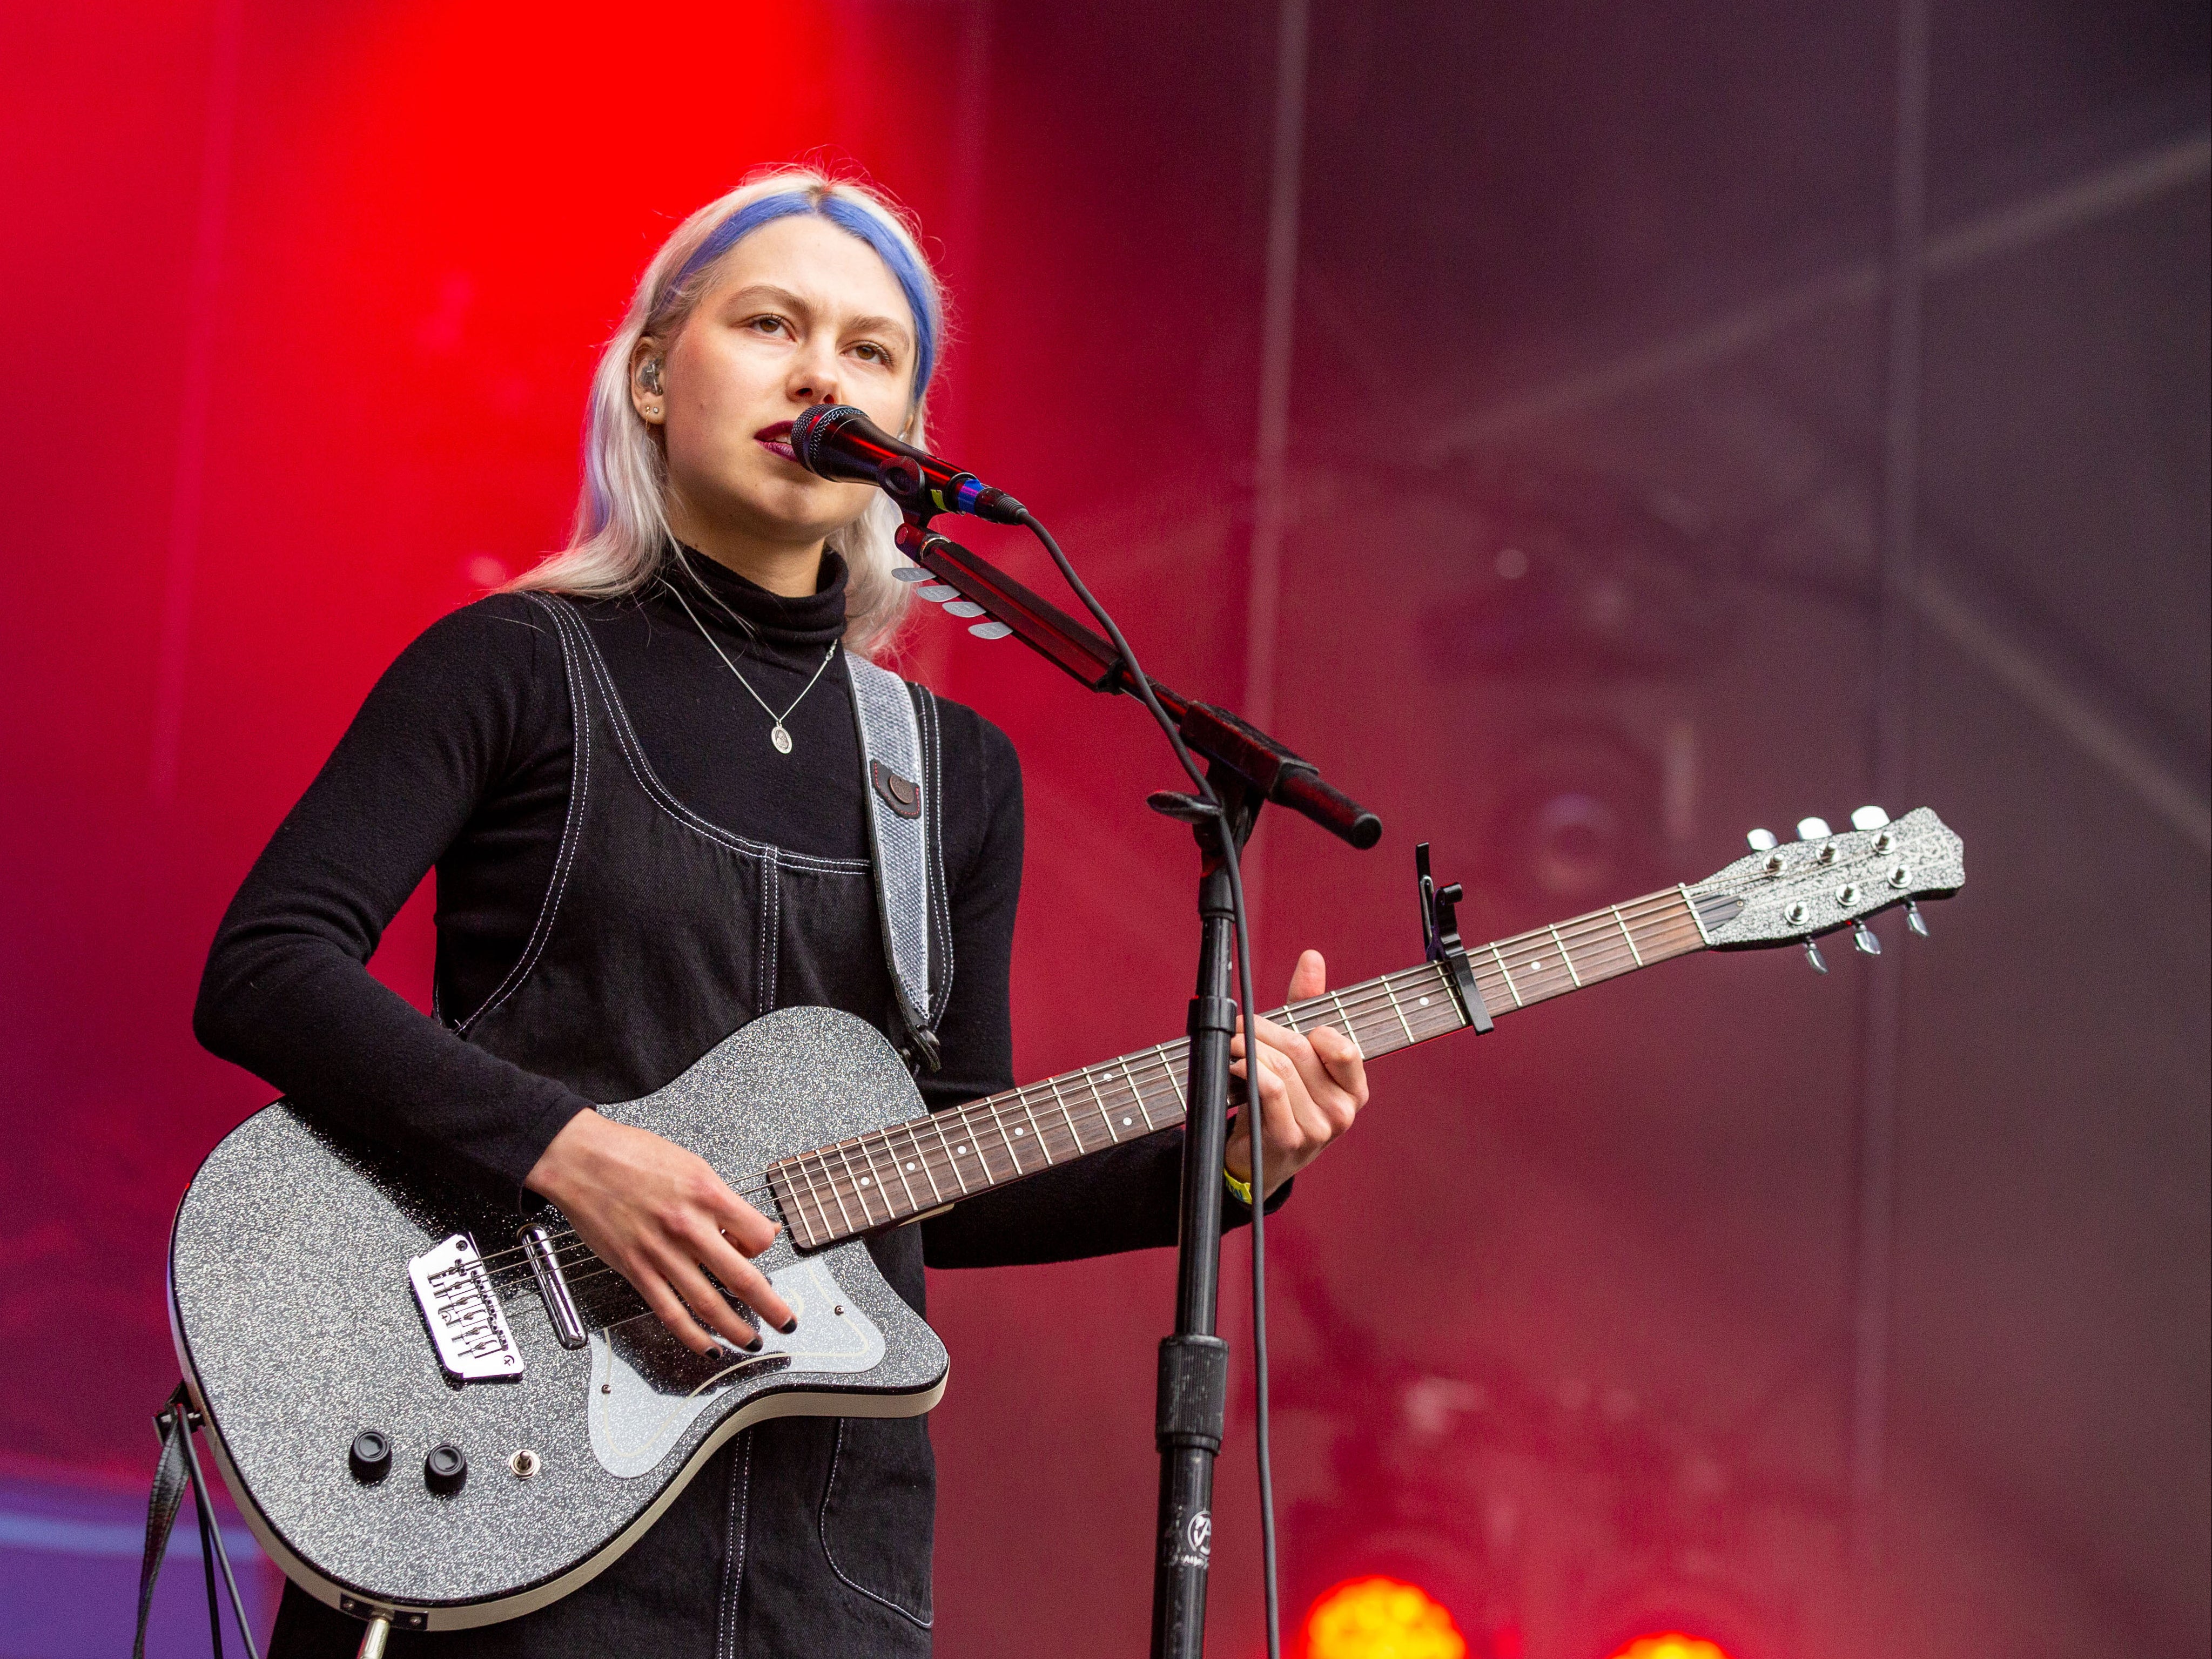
(1788, 891)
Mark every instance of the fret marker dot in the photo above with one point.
(1125, 1122)
(1019, 1132)
(1537, 966)
(1424, 1002)
(910, 1166)
(863, 1181)
(963, 1151)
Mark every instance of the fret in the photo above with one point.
(860, 1196)
(922, 1157)
(969, 1143)
(819, 1229)
(1006, 1137)
(1508, 975)
(1105, 1117)
(965, 1146)
(830, 1180)
(995, 1116)
(899, 1166)
(1567, 956)
(786, 1192)
(1182, 1105)
(1404, 1024)
(869, 1146)
(788, 1169)
(1033, 1134)
(1135, 1094)
(1621, 922)
(937, 1122)
(1060, 1100)
(1350, 1029)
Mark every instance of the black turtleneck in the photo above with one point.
(459, 761)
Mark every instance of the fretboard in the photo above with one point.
(889, 1175)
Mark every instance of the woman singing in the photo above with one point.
(639, 776)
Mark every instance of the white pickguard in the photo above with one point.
(646, 1388)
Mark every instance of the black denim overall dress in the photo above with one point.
(804, 1538)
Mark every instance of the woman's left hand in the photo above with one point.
(1312, 1084)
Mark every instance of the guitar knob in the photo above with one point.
(369, 1457)
(444, 1470)
(1763, 841)
(1868, 817)
(1813, 829)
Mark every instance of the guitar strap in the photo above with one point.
(901, 758)
(175, 1471)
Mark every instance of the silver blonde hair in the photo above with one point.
(620, 540)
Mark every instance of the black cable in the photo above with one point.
(1233, 869)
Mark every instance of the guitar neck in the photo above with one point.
(889, 1176)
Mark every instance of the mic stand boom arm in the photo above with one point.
(1245, 768)
(1265, 767)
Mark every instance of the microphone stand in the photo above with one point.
(1246, 769)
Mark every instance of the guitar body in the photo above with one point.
(298, 1326)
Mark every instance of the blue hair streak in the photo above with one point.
(854, 220)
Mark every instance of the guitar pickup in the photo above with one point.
(466, 1323)
(560, 1306)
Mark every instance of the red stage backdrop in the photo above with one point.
(302, 300)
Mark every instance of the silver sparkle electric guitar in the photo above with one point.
(429, 1416)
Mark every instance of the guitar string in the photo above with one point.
(1368, 1004)
(1353, 1006)
(1374, 1001)
(1370, 1001)
(1158, 1090)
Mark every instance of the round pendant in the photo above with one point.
(781, 739)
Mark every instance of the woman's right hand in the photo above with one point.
(661, 1217)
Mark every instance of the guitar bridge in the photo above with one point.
(467, 1325)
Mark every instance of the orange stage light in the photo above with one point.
(1673, 1645)
(1382, 1618)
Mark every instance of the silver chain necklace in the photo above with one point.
(776, 733)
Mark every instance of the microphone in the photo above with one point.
(838, 441)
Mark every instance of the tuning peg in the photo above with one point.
(1868, 817)
(938, 592)
(1863, 936)
(912, 572)
(1814, 829)
(1912, 918)
(1813, 955)
(1762, 840)
(990, 630)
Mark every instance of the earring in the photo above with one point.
(649, 376)
(652, 414)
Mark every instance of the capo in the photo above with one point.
(1440, 933)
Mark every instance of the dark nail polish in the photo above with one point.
(753, 1346)
(789, 1325)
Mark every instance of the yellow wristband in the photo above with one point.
(1241, 1189)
